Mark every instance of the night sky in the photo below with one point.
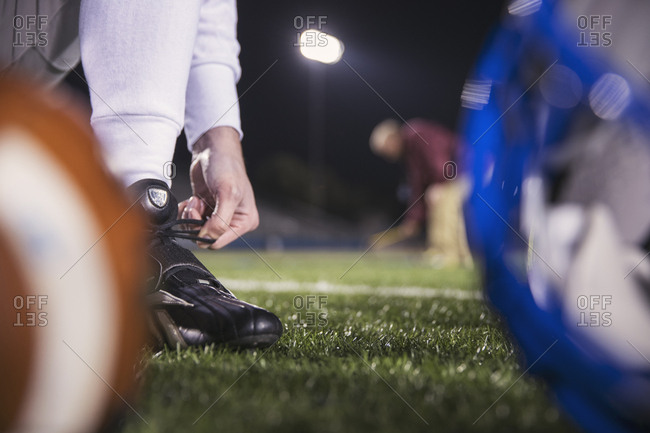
(415, 54)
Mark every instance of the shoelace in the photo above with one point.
(167, 230)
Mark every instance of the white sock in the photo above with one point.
(137, 56)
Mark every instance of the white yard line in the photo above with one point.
(290, 286)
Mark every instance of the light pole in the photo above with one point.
(322, 48)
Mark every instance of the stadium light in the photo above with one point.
(321, 47)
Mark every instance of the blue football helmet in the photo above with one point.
(557, 152)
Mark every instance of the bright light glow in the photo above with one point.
(320, 46)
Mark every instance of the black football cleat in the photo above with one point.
(189, 306)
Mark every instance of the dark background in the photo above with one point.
(414, 54)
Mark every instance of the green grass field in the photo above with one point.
(379, 349)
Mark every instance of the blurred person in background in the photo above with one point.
(427, 151)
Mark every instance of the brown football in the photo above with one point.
(71, 261)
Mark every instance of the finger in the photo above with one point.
(219, 222)
(245, 219)
(181, 209)
(226, 238)
(193, 214)
(195, 209)
(240, 225)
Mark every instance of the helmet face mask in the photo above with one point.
(559, 159)
(586, 212)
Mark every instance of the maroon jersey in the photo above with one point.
(427, 148)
